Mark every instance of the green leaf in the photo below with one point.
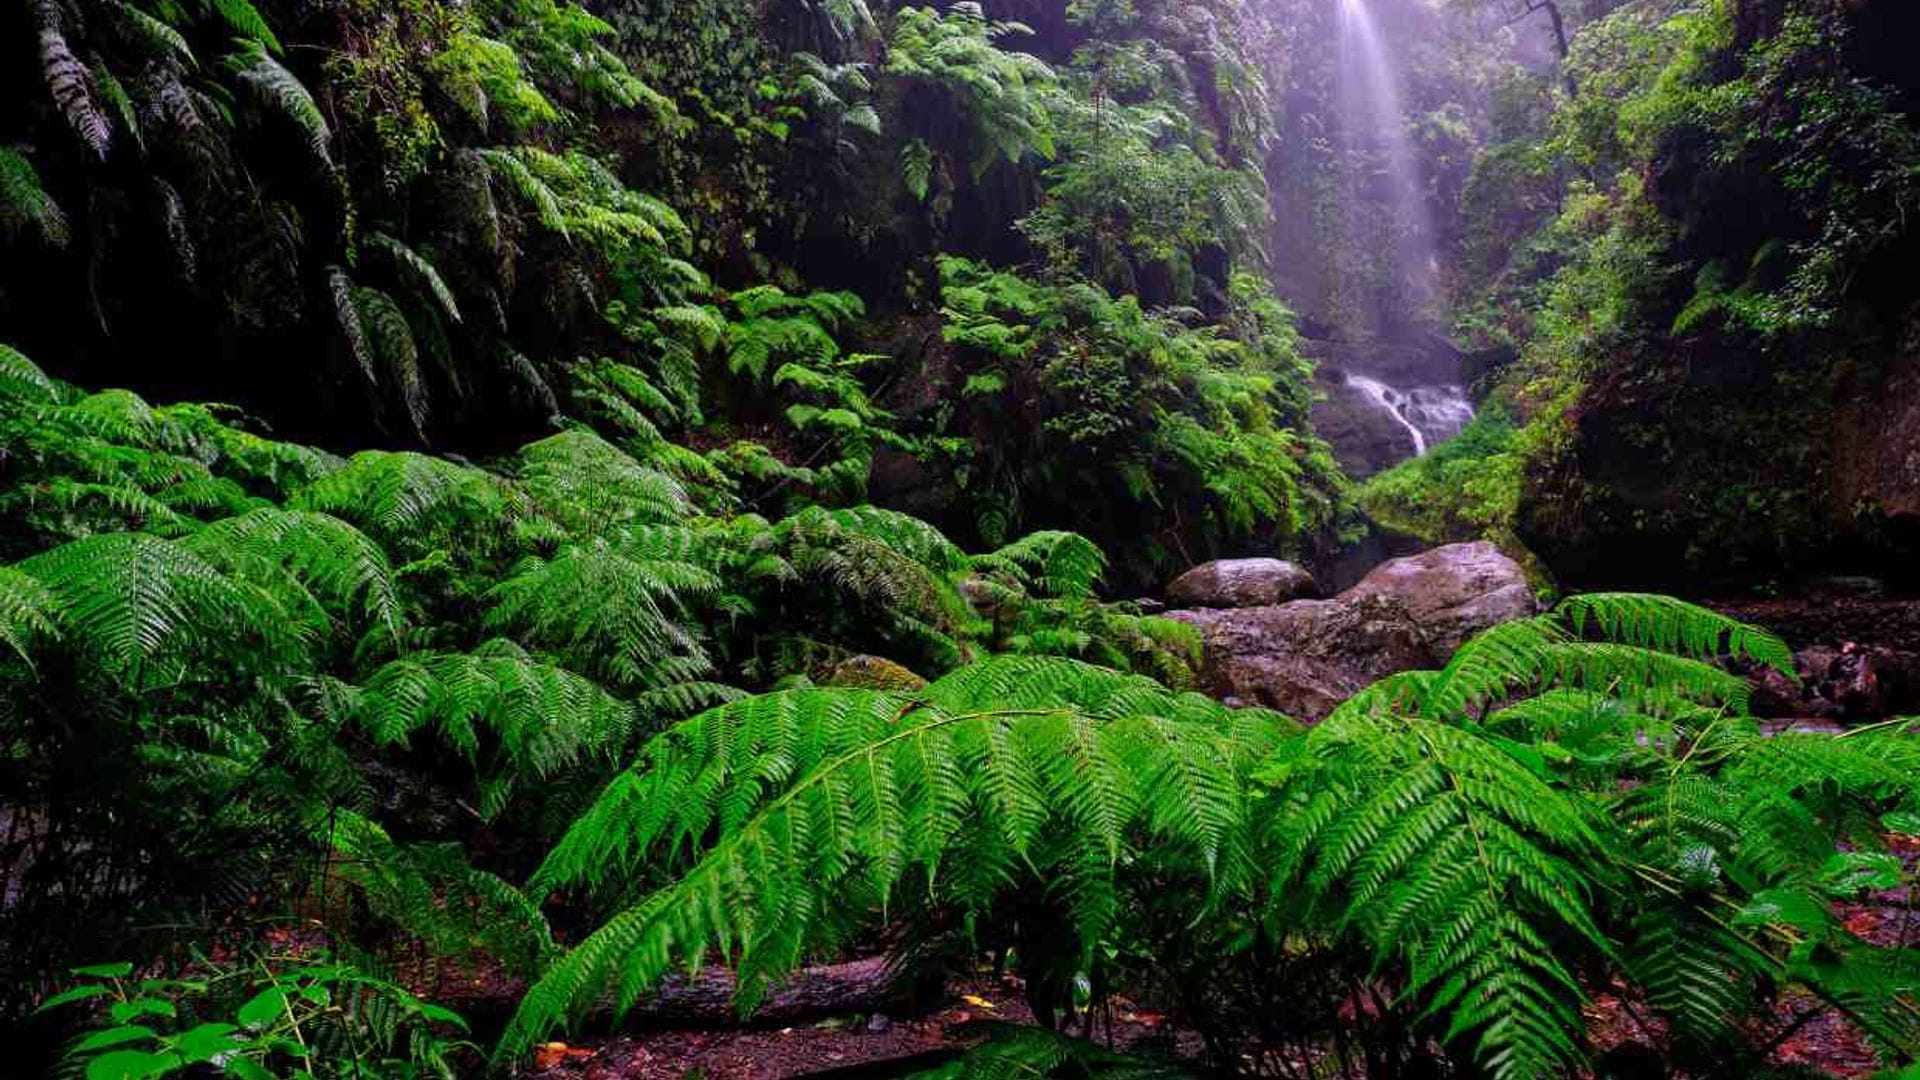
(130, 1065)
(205, 1042)
(1853, 872)
(266, 1007)
(78, 993)
(105, 971)
(113, 1036)
(124, 1011)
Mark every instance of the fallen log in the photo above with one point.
(706, 1000)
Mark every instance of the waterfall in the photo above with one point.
(1387, 217)
(1373, 140)
(1429, 414)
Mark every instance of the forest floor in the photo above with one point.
(1800, 1032)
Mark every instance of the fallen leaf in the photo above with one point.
(979, 1002)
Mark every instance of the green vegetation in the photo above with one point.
(646, 484)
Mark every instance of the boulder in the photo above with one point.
(874, 673)
(1453, 592)
(1240, 583)
(1305, 657)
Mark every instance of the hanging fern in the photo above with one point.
(420, 271)
(280, 88)
(69, 82)
(391, 339)
(24, 203)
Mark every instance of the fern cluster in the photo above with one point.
(1576, 801)
(385, 663)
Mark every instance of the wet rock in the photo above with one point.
(1453, 592)
(1305, 657)
(1241, 583)
(874, 673)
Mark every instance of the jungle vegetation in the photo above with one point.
(584, 491)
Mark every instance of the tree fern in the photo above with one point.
(592, 486)
(26, 612)
(338, 569)
(610, 611)
(516, 719)
(796, 806)
(139, 604)
(406, 495)
(1453, 856)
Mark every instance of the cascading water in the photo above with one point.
(1429, 414)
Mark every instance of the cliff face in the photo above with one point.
(1737, 438)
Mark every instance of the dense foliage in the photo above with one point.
(1680, 269)
(678, 457)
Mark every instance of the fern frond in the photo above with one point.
(1674, 626)
(391, 338)
(606, 611)
(22, 379)
(158, 31)
(69, 82)
(1444, 850)
(245, 20)
(591, 485)
(24, 202)
(792, 806)
(423, 273)
(134, 602)
(538, 719)
(338, 564)
(26, 612)
(403, 495)
(280, 88)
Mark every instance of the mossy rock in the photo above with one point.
(874, 673)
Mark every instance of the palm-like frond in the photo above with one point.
(134, 602)
(339, 568)
(1447, 852)
(21, 378)
(793, 806)
(402, 495)
(608, 611)
(512, 716)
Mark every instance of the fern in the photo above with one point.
(874, 792)
(23, 202)
(1442, 850)
(21, 379)
(390, 337)
(409, 497)
(421, 271)
(245, 20)
(280, 88)
(536, 719)
(338, 569)
(69, 82)
(139, 605)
